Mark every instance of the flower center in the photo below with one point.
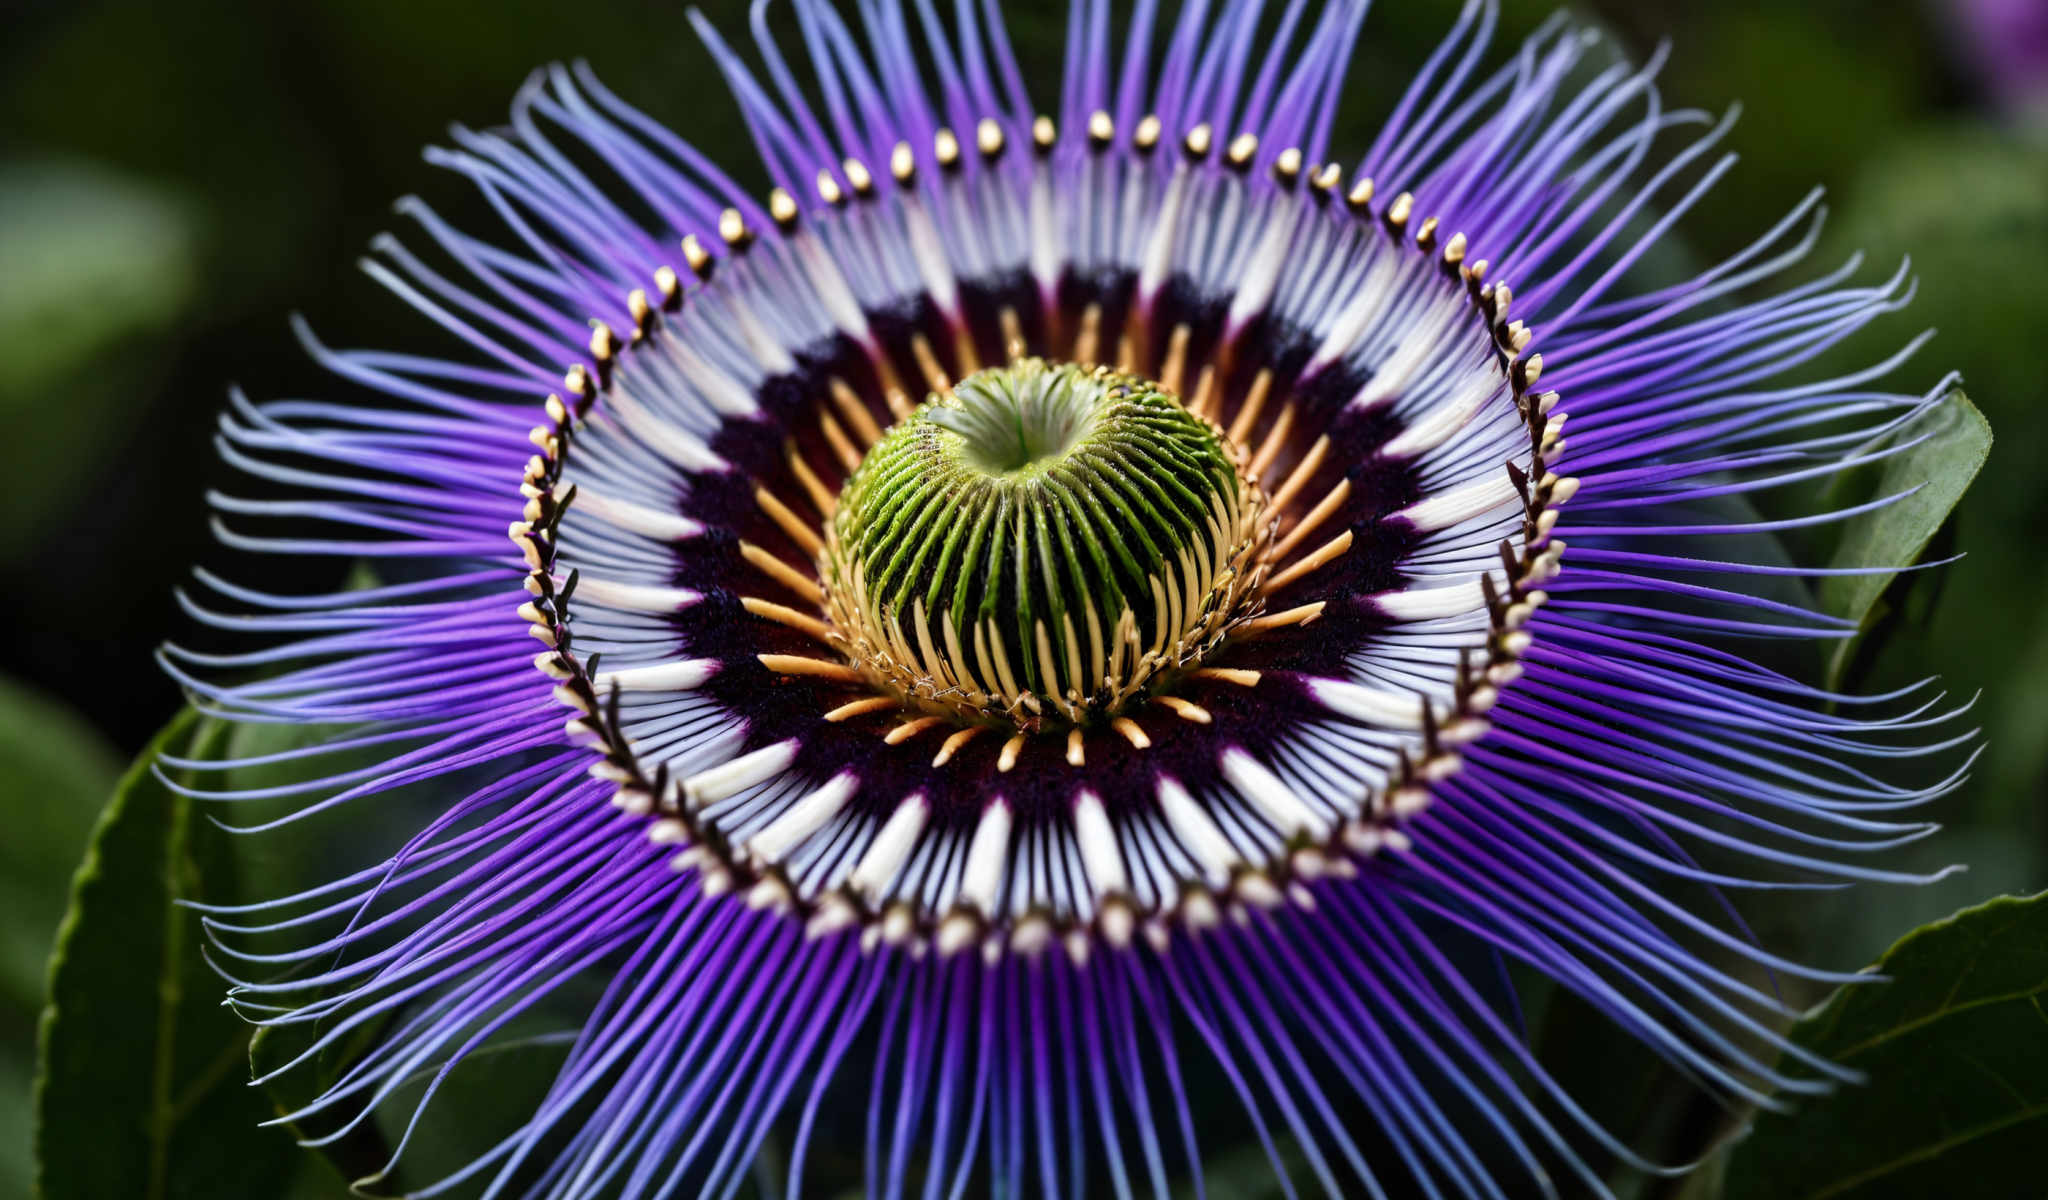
(1042, 541)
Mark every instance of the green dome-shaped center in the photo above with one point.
(1041, 542)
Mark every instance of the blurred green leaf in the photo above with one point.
(1955, 1043)
(88, 255)
(54, 774)
(136, 1051)
(1936, 472)
(94, 261)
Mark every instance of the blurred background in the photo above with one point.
(176, 179)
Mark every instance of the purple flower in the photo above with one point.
(2006, 42)
(1061, 619)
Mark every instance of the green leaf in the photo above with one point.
(141, 1090)
(55, 771)
(98, 265)
(1955, 1044)
(1937, 472)
(90, 256)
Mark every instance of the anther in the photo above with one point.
(988, 138)
(1198, 142)
(858, 177)
(1044, 134)
(946, 148)
(642, 311)
(697, 257)
(1101, 130)
(1146, 136)
(782, 208)
(1359, 199)
(829, 190)
(1287, 167)
(1243, 148)
(671, 288)
(902, 165)
(733, 231)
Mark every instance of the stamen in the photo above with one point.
(803, 623)
(1327, 552)
(1013, 333)
(841, 446)
(1204, 402)
(1330, 503)
(797, 664)
(821, 496)
(1011, 749)
(1303, 472)
(856, 412)
(1176, 361)
(799, 532)
(960, 737)
(909, 729)
(1254, 403)
(1293, 616)
(778, 570)
(1091, 333)
(935, 376)
(859, 708)
(1276, 441)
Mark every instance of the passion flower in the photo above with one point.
(1054, 614)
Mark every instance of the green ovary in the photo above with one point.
(1040, 542)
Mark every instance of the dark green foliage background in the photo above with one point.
(175, 179)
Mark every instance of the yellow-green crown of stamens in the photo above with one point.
(1043, 541)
